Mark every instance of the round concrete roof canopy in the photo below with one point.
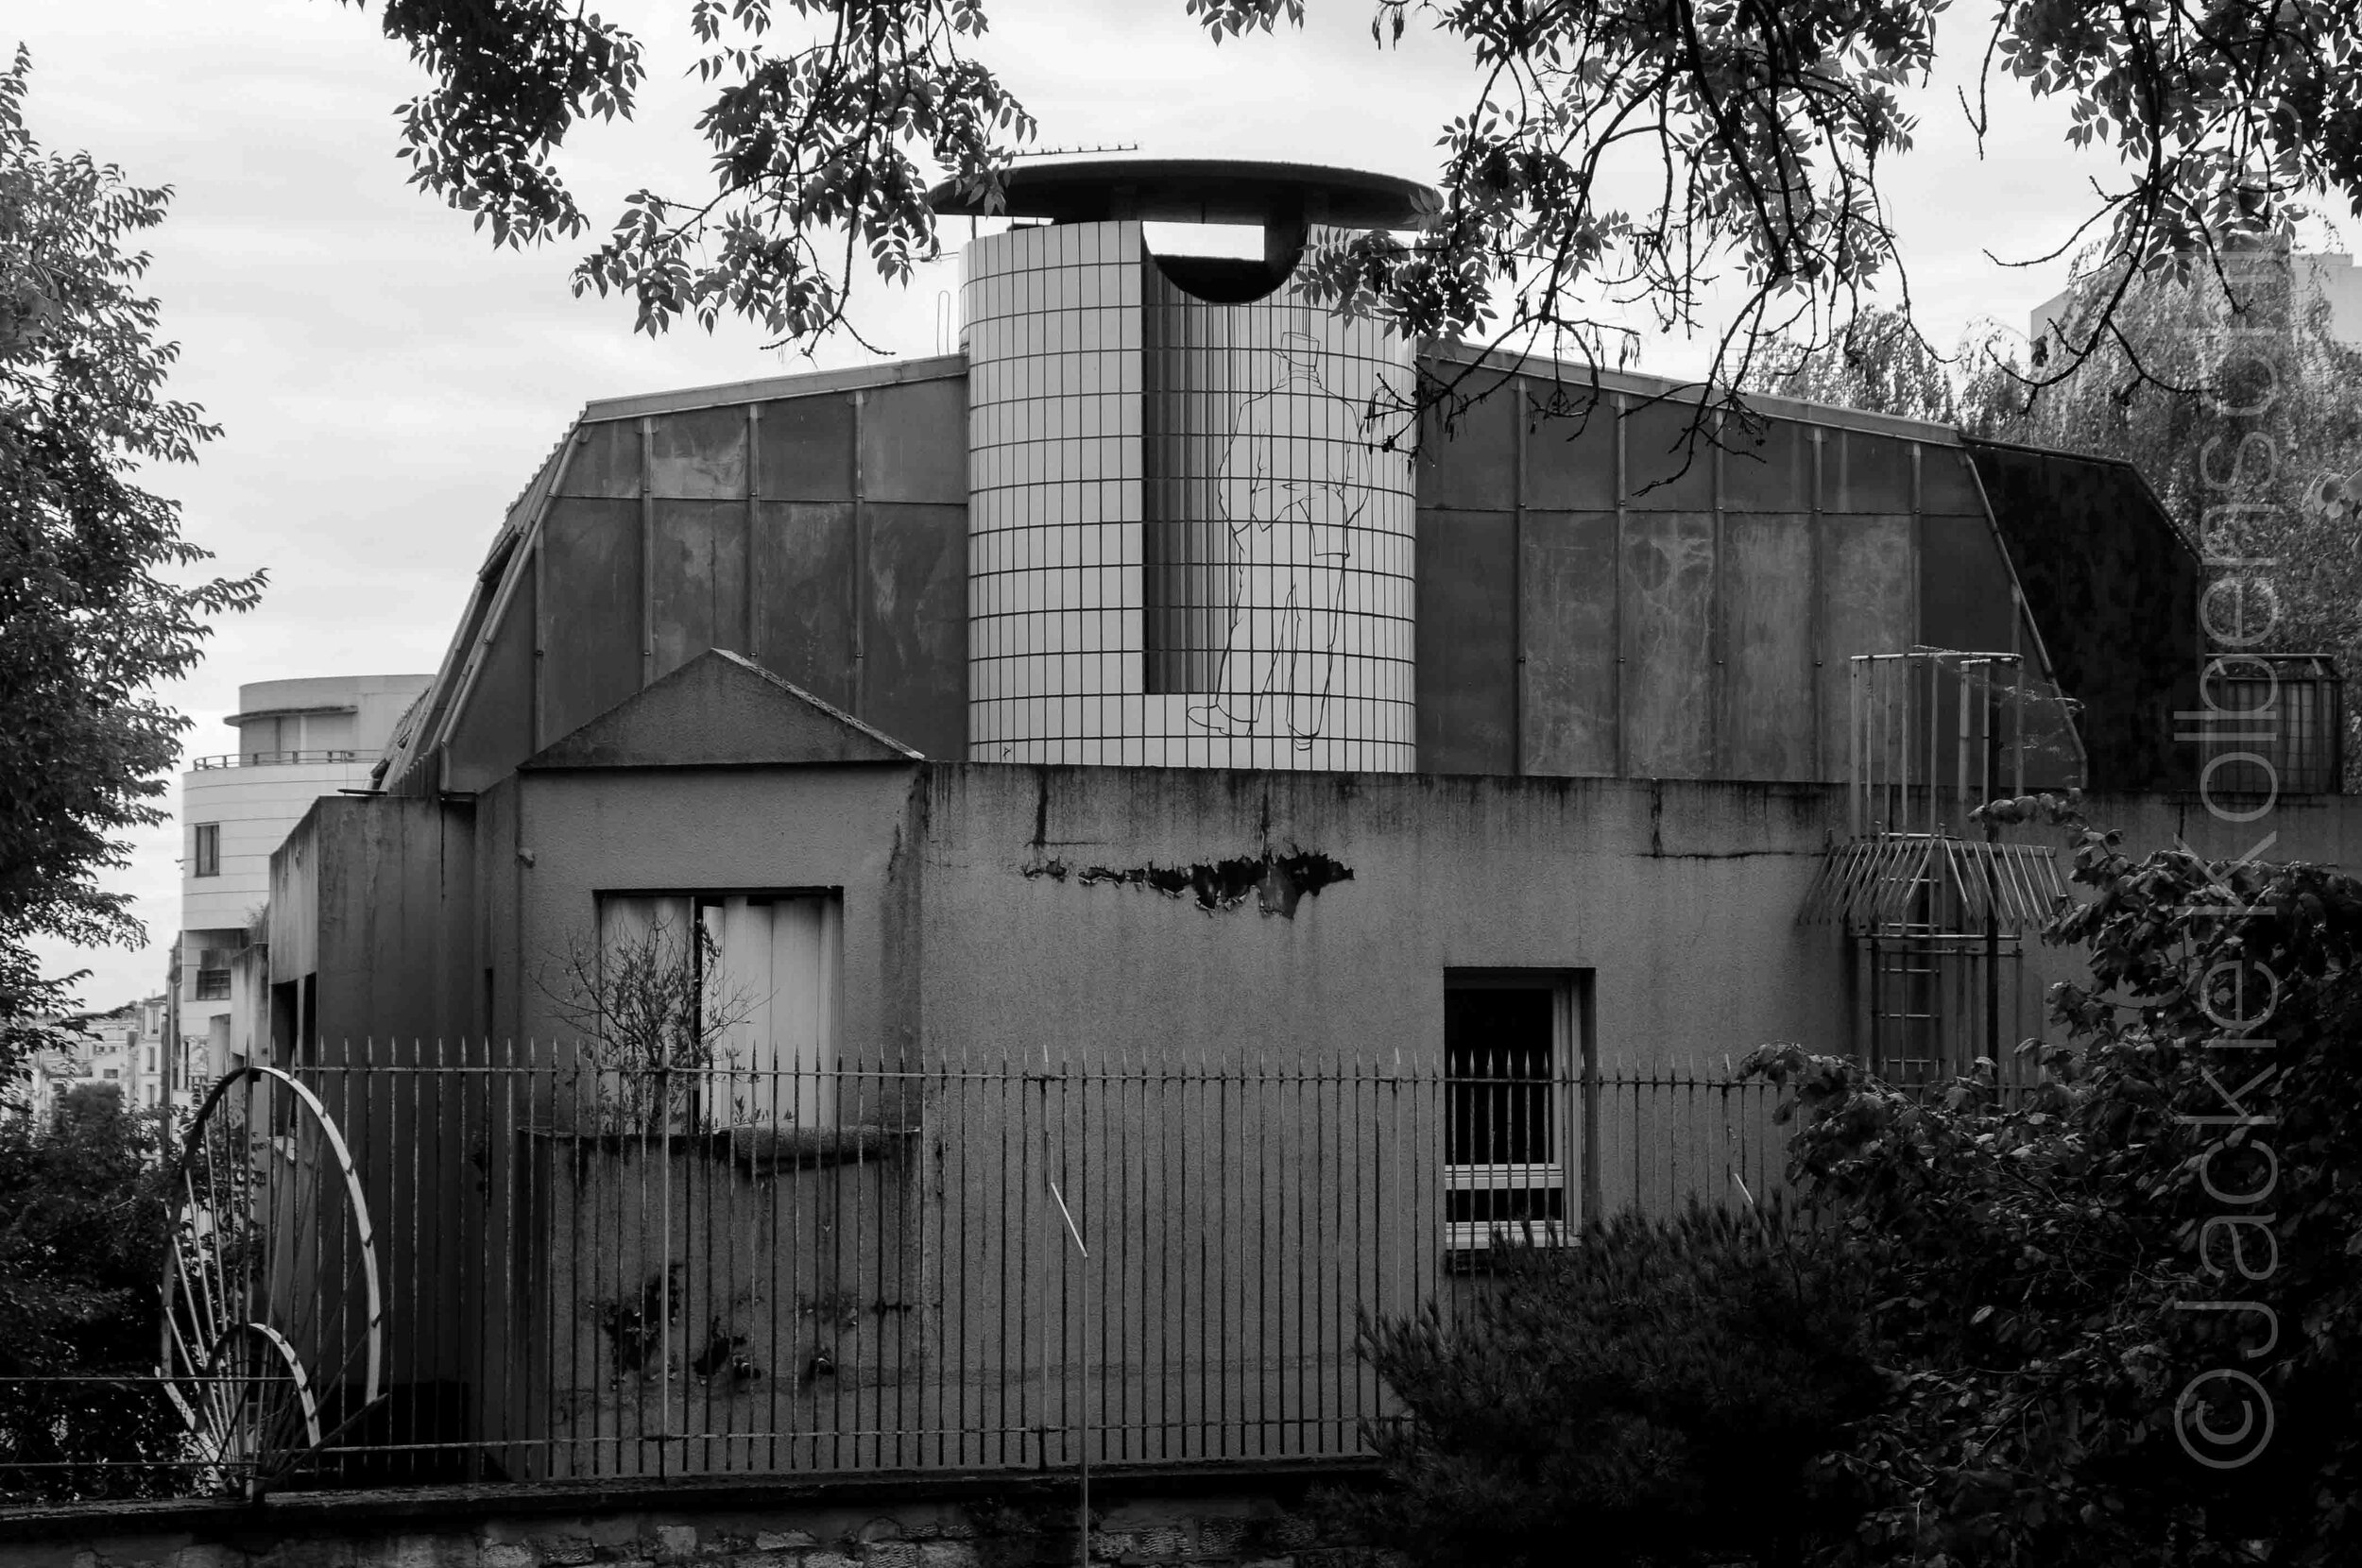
(1200, 190)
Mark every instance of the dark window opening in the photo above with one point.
(208, 849)
(1497, 1048)
(1509, 1052)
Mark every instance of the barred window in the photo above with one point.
(1509, 1053)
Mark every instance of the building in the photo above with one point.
(1051, 719)
(297, 741)
(125, 1048)
(2333, 277)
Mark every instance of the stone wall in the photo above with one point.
(1264, 1518)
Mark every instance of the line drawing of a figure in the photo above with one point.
(1291, 537)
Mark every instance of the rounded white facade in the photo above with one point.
(1186, 545)
(249, 809)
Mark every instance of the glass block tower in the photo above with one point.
(1190, 536)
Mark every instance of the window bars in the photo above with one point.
(2271, 724)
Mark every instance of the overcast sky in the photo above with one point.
(389, 382)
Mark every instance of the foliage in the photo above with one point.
(2060, 1279)
(91, 615)
(1659, 1390)
(2110, 1320)
(652, 1005)
(82, 1225)
(1765, 132)
(1882, 362)
(2238, 443)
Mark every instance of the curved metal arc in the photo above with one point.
(179, 1290)
(367, 1231)
(286, 1353)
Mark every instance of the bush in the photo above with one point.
(82, 1230)
(2060, 1292)
(1657, 1394)
(2012, 1332)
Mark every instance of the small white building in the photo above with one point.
(297, 741)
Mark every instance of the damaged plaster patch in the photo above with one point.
(1279, 882)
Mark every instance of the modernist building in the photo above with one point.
(1127, 688)
(1156, 517)
(297, 741)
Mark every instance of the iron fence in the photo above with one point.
(436, 1263)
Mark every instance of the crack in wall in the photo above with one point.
(1278, 882)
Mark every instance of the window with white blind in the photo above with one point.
(742, 987)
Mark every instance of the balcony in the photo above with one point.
(273, 759)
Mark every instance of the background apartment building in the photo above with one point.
(2331, 276)
(297, 741)
(125, 1048)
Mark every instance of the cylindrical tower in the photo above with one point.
(1189, 540)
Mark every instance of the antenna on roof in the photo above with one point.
(1063, 152)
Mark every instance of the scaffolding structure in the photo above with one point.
(1934, 905)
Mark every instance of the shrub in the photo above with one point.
(1656, 1395)
(2059, 1294)
(82, 1227)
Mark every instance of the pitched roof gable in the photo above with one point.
(721, 709)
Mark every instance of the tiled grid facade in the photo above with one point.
(1182, 550)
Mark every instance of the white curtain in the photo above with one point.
(772, 999)
(627, 920)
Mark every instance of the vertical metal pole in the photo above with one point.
(1517, 583)
(1935, 732)
(1960, 760)
(1854, 744)
(647, 558)
(1615, 599)
(861, 564)
(754, 569)
(1083, 1510)
(2017, 726)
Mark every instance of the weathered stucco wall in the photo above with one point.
(710, 829)
(372, 901)
(1679, 899)
(987, 907)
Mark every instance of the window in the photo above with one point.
(1512, 1055)
(208, 849)
(750, 979)
(112, 1072)
(213, 974)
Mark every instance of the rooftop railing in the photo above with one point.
(272, 760)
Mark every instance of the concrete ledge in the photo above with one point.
(389, 1511)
